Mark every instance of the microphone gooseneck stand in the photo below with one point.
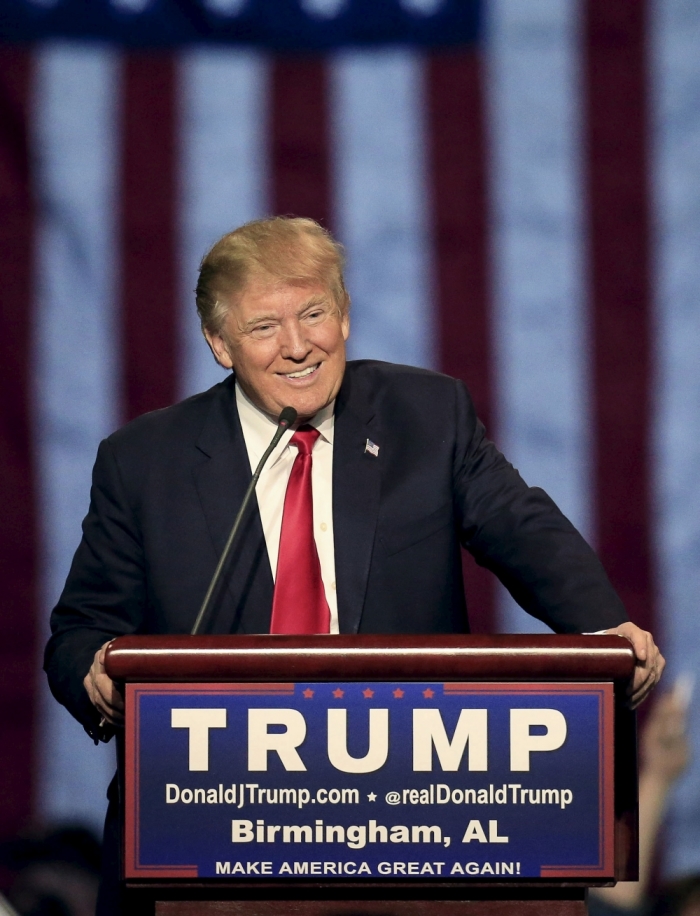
(284, 421)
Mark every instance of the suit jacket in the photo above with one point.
(167, 486)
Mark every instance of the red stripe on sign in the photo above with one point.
(18, 560)
(615, 83)
(148, 199)
(460, 230)
(299, 138)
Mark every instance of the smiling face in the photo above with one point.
(286, 344)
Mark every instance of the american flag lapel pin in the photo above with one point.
(372, 448)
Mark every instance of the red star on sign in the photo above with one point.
(428, 693)
(398, 693)
(308, 693)
(338, 693)
(368, 693)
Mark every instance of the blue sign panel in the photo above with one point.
(369, 780)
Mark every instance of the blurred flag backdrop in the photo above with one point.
(518, 189)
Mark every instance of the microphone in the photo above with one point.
(284, 421)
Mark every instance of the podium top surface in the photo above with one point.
(289, 658)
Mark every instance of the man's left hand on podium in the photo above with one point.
(103, 692)
(649, 662)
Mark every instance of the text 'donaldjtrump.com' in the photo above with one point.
(370, 780)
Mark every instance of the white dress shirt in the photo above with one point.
(258, 430)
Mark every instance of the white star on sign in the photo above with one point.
(372, 796)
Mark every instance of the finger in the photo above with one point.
(643, 683)
(659, 661)
(643, 673)
(90, 684)
(640, 643)
(100, 705)
(100, 655)
(652, 670)
(111, 692)
(118, 703)
(112, 718)
(638, 684)
(105, 687)
(652, 649)
(115, 718)
(108, 711)
(635, 701)
(109, 695)
(638, 697)
(102, 692)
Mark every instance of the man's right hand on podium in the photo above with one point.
(102, 690)
(649, 662)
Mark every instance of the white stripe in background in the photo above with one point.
(540, 331)
(223, 176)
(675, 74)
(75, 354)
(381, 209)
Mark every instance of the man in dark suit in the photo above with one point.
(411, 473)
(400, 475)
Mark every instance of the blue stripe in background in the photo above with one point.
(675, 108)
(540, 315)
(381, 202)
(222, 101)
(76, 348)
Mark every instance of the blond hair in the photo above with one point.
(281, 249)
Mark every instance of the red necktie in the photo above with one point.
(299, 603)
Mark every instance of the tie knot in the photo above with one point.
(305, 439)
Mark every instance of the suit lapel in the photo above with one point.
(356, 486)
(243, 602)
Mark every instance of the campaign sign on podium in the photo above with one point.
(370, 780)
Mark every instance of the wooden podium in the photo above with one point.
(287, 682)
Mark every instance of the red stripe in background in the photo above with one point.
(18, 560)
(615, 82)
(148, 233)
(299, 137)
(459, 199)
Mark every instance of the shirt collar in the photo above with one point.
(259, 428)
